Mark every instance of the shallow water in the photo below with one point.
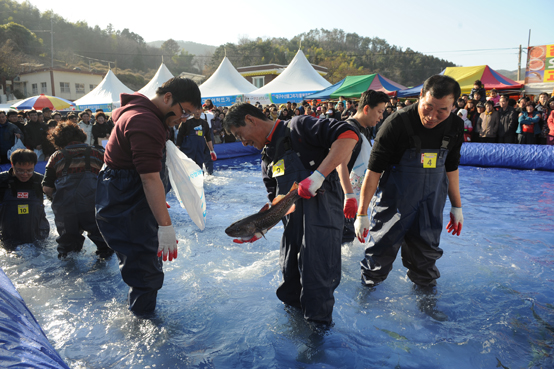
(218, 307)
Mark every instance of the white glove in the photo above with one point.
(456, 221)
(361, 226)
(309, 186)
(167, 242)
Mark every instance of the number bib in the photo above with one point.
(22, 209)
(429, 160)
(279, 168)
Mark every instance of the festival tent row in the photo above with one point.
(296, 82)
(466, 76)
(354, 86)
(225, 85)
(105, 96)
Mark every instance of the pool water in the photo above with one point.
(218, 307)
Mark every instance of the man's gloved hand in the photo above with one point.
(308, 187)
(167, 242)
(213, 155)
(350, 206)
(361, 226)
(254, 238)
(456, 221)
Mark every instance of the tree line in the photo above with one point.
(85, 46)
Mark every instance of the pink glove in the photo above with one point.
(308, 187)
(456, 221)
(213, 155)
(350, 206)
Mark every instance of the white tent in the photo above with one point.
(225, 84)
(105, 96)
(537, 88)
(162, 75)
(299, 79)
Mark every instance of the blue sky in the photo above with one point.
(466, 32)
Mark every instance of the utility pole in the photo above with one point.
(52, 40)
(519, 65)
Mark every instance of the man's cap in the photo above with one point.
(480, 105)
(46, 109)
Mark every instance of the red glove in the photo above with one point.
(213, 155)
(254, 238)
(167, 204)
(350, 206)
(308, 187)
(456, 221)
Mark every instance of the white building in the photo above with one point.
(69, 84)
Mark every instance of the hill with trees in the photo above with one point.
(25, 38)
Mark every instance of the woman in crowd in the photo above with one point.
(528, 125)
(101, 130)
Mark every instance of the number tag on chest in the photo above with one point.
(22, 209)
(279, 168)
(429, 160)
(199, 133)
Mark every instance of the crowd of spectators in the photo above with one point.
(488, 116)
(34, 127)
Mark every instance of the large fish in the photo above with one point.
(258, 224)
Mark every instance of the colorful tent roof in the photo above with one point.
(466, 76)
(354, 86)
(489, 78)
(162, 75)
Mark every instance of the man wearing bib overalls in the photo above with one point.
(193, 137)
(412, 168)
(22, 216)
(305, 150)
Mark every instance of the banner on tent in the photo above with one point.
(221, 100)
(105, 107)
(276, 98)
(540, 64)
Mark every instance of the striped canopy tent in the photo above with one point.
(354, 86)
(466, 76)
(489, 78)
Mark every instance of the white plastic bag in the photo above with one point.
(360, 167)
(17, 145)
(187, 181)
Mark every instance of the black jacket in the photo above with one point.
(508, 122)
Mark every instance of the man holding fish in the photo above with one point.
(304, 150)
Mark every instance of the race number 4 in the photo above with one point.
(429, 160)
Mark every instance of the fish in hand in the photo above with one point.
(254, 226)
